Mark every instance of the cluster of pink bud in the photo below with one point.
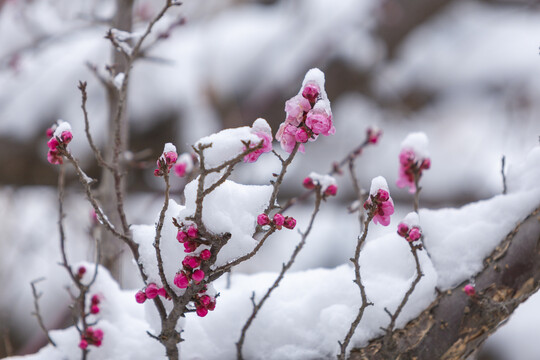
(308, 114)
(184, 164)
(379, 203)
(188, 238)
(59, 136)
(94, 302)
(188, 235)
(314, 180)
(279, 221)
(91, 337)
(260, 128)
(412, 234)
(167, 160)
(373, 134)
(469, 289)
(204, 302)
(151, 291)
(413, 160)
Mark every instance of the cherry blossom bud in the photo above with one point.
(81, 271)
(98, 334)
(95, 299)
(414, 234)
(279, 220)
(181, 280)
(66, 137)
(382, 195)
(426, 164)
(331, 190)
(290, 222)
(83, 344)
(193, 232)
(151, 291)
(263, 219)
(211, 306)
(201, 311)
(140, 297)
(162, 292)
(190, 246)
(50, 132)
(373, 135)
(180, 169)
(469, 290)
(301, 135)
(94, 309)
(308, 183)
(205, 254)
(205, 300)
(53, 144)
(198, 275)
(311, 92)
(170, 157)
(191, 262)
(158, 172)
(403, 229)
(181, 237)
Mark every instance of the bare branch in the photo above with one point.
(37, 313)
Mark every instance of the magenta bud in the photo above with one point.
(198, 275)
(290, 222)
(202, 311)
(414, 234)
(469, 290)
(151, 291)
(279, 220)
(308, 183)
(140, 297)
(193, 232)
(181, 280)
(331, 190)
(181, 236)
(383, 195)
(403, 229)
(205, 254)
(263, 219)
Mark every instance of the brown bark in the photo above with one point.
(454, 326)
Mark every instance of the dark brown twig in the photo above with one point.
(37, 313)
(503, 161)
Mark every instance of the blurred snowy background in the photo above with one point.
(467, 73)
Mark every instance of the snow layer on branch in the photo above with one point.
(231, 208)
(459, 239)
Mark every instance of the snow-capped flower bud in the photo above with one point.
(403, 229)
(202, 311)
(140, 297)
(181, 280)
(320, 122)
(308, 183)
(170, 157)
(181, 237)
(382, 195)
(290, 222)
(469, 290)
(415, 234)
(66, 137)
(301, 135)
(279, 220)
(198, 275)
(151, 291)
(94, 309)
(331, 190)
(311, 92)
(193, 232)
(205, 254)
(426, 164)
(190, 246)
(263, 219)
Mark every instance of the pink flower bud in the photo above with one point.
(308, 183)
(50, 132)
(162, 292)
(311, 92)
(212, 305)
(140, 297)
(97, 343)
(81, 271)
(205, 254)
(403, 229)
(151, 291)
(193, 232)
(290, 222)
(205, 300)
(170, 157)
(301, 135)
(53, 144)
(181, 280)
(331, 190)
(279, 220)
(191, 262)
(263, 219)
(426, 164)
(90, 332)
(181, 237)
(94, 309)
(469, 290)
(95, 299)
(201, 311)
(414, 234)
(383, 195)
(320, 122)
(190, 246)
(198, 275)
(98, 334)
(66, 137)
(180, 169)
(373, 135)
(83, 344)
(158, 172)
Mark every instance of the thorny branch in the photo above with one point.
(37, 313)
(257, 306)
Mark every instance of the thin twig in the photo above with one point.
(257, 306)
(37, 313)
(503, 160)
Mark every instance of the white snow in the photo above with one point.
(323, 180)
(169, 147)
(62, 126)
(119, 80)
(411, 220)
(377, 183)
(417, 142)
